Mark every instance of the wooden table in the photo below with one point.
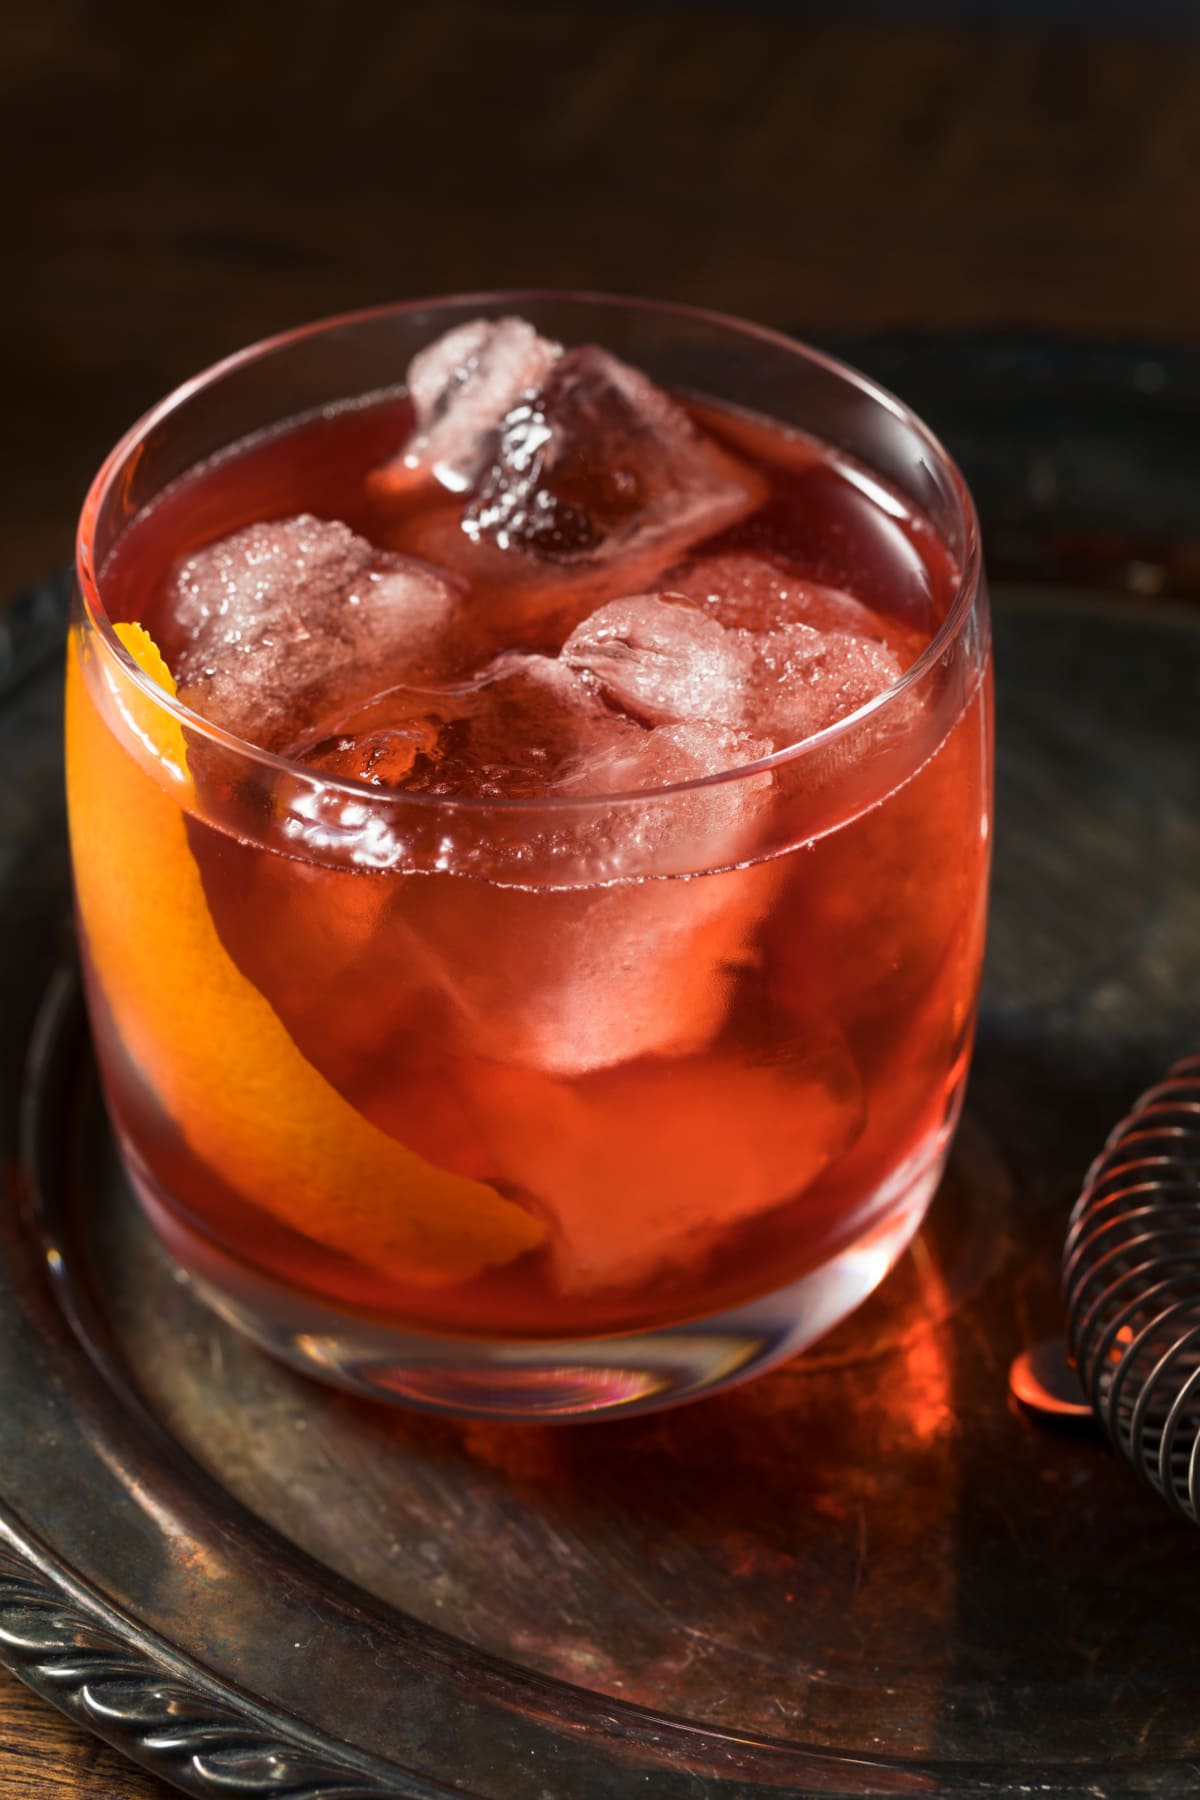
(193, 180)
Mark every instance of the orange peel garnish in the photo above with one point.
(247, 1102)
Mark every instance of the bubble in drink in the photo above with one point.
(286, 620)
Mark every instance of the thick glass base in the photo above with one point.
(538, 1379)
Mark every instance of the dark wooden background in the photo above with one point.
(183, 180)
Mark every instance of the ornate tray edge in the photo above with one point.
(155, 1706)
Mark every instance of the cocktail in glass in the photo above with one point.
(530, 823)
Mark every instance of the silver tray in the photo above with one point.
(864, 1574)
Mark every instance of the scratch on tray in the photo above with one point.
(216, 1357)
(983, 1341)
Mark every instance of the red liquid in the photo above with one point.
(799, 1027)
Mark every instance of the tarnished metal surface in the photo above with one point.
(867, 1573)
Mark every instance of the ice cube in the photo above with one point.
(437, 973)
(287, 620)
(802, 680)
(567, 979)
(641, 1169)
(757, 593)
(525, 724)
(660, 660)
(461, 386)
(575, 979)
(659, 657)
(687, 750)
(592, 485)
(600, 460)
(383, 756)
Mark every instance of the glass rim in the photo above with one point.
(947, 633)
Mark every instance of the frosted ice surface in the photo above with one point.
(285, 620)
(756, 593)
(661, 661)
(662, 657)
(462, 385)
(802, 680)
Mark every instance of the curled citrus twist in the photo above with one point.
(248, 1103)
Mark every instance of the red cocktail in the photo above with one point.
(534, 959)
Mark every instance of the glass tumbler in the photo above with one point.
(547, 1106)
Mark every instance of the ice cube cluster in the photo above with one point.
(572, 473)
(304, 636)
